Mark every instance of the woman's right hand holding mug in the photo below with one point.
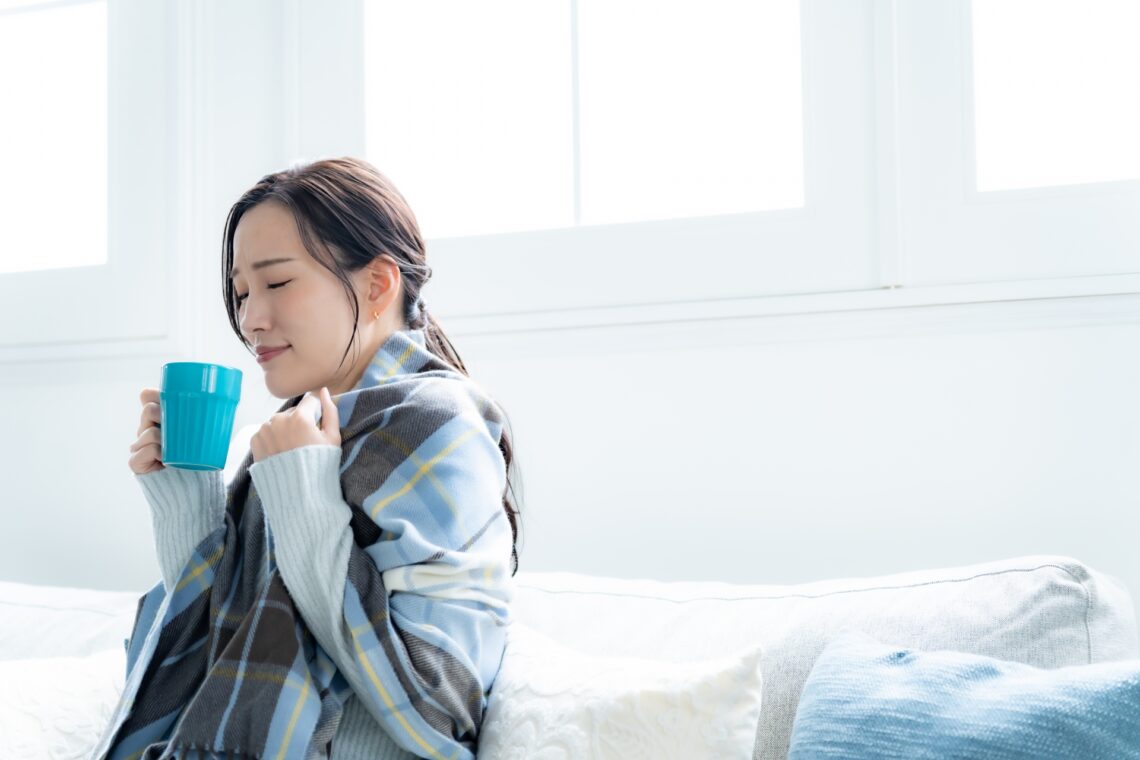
(146, 451)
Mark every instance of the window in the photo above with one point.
(658, 151)
(90, 189)
(689, 110)
(619, 156)
(978, 143)
(600, 113)
(53, 201)
(469, 118)
(1064, 109)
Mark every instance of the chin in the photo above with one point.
(280, 390)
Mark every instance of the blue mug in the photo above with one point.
(198, 403)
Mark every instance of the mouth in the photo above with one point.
(270, 355)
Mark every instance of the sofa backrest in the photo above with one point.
(1046, 611)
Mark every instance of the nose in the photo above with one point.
(253, 316)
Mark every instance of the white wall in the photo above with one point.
(746, 450)
(732, 455)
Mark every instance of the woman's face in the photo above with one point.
(286, 298)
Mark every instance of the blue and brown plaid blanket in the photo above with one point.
(225, 665)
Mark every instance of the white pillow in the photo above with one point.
(57, 707)
(54, 621)
(549, 701)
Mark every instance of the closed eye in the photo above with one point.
(272, 286)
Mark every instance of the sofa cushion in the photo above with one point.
(866, 700)
(551, 701)
(1046, 611)
(57, 707)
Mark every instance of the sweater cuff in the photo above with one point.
(186, 506)
(173, 491)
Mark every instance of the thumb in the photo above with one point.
(330, 420)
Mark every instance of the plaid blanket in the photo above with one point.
(225, 665)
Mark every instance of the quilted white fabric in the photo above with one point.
(554, 703)
(54, 708)
(51, 621)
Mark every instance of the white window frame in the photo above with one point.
(121, 307)
(952, 233)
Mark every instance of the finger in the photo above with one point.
(151, 417)
(143, 443)
(329, 419)
(150, 436)
(148, 395)
(299, 408)
(144, 453)
(309, 406)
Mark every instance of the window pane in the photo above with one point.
(53, 137)
(468, 111)
(6, 5)
(1055, 88)
(689, 109)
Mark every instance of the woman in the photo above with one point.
(348, 595)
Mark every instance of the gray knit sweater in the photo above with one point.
(186, 506)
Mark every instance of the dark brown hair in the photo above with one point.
(348, 213)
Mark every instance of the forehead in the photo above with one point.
(266, 232)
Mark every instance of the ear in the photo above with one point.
(383, 279)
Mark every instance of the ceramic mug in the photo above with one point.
(198, 403)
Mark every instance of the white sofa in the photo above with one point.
(61, 649)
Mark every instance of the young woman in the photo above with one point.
(348, 594)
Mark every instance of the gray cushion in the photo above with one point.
(1045, 611)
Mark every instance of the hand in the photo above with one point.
(295, 427)
(146, 452)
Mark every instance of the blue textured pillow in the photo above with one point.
(864, 699)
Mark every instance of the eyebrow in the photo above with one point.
(261, 265)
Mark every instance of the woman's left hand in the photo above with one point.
(297, 427)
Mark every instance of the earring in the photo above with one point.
(376, 315)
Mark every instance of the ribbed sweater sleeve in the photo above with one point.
(185, 507)
(301, 494)
(309, 519)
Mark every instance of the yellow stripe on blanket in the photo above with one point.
(423, 470)
(388, 699)
(200, 568)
